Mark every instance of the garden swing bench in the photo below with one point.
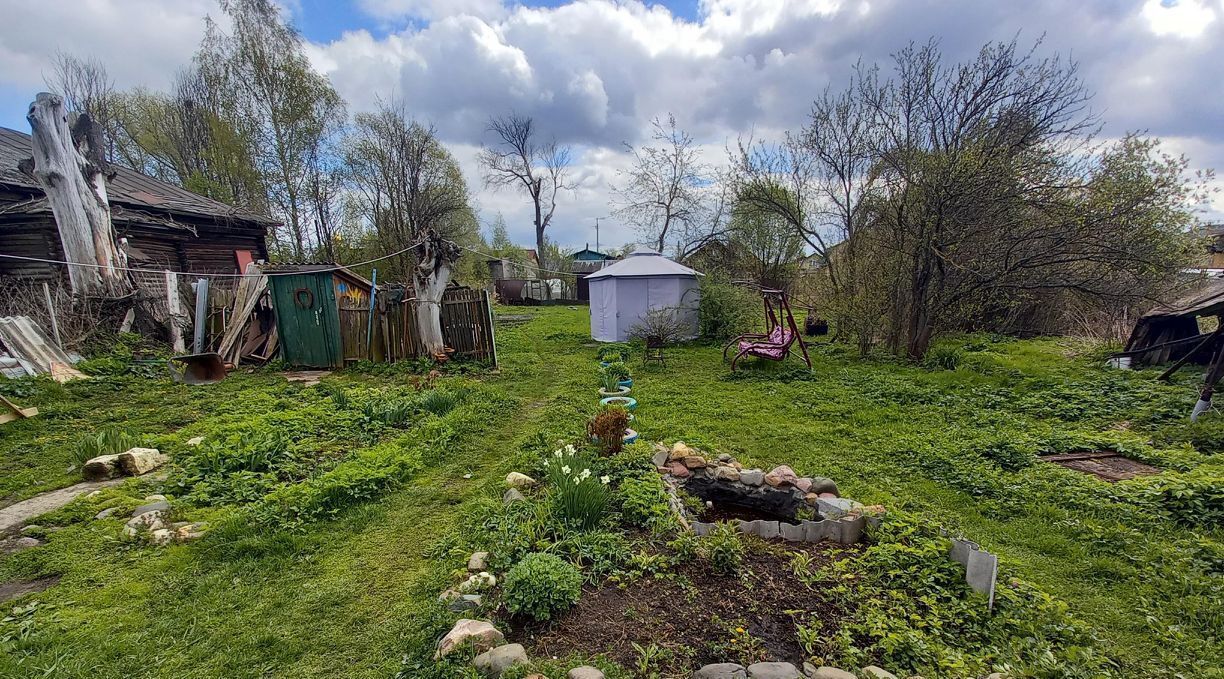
(775, 343)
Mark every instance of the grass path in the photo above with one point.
(341, 600)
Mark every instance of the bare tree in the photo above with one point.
(519, 160)
(86, 87)
(411, 191)
(662, 193)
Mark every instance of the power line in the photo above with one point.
(91, 265)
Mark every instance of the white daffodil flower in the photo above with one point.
(604, 480)
(565, 469)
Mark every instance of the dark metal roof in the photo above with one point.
(126, 187)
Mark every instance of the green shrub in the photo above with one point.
(944, 357)
(439, 401)
(726, 310)
(1194, 498)
(643, 501)
(617, 369)
(613, 352)
(541, 586)
(723, 548)
(579, 497)
(107, 441)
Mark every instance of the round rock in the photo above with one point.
(494, 662)
(722, 670)
(831, 673)
(773, 670)
(585, 672)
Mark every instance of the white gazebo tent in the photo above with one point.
(622, 293)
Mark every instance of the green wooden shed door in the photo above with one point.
(307, 320)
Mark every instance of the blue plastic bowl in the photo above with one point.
(625, 402)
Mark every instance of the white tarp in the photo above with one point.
(622, 293)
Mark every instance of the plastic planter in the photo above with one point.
(622, 401)
(622, 391)
(630, 436)
(626, 383)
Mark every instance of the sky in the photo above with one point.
(593, 73)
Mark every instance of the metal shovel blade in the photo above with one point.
(195, 369)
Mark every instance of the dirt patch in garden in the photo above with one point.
(1105, 465)
(696, 617)
(18, 588)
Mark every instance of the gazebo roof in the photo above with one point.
(644, 263)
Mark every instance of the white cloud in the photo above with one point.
(594, 72)
(1180, 18)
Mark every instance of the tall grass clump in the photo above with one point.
(579, 498)
(106, 441)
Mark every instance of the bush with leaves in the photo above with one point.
(612, 352)
(106, 441)
(617, 369)
(723, 548)
(541, 586)
(726, 310)
(643, 501)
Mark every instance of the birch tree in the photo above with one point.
(288, 111)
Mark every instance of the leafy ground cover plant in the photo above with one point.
(106, 441)
(613, 352)
(542, 585)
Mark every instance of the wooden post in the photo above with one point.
(68, 166)
(51, 313)
(174, 305)
(370, 324)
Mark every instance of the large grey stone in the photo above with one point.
(722, 670)
(101, 468)
(780, 502)
(835, 507)
(659, 458)
(155, 506)
(874, 672)
(512, 496)
(822, 485)
(495, 661)
(849, 529)
(106, 512)
(137, 461)
(478, 561)
(480, 633)
(752, 477)
(773, 670)
(585, 672)
(831, 673)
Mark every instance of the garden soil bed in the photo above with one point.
(693, 614)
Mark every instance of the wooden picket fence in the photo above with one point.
(467, 327)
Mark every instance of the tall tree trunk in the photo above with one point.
(435, 258)
(68, 166)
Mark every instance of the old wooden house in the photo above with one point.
(159, 225)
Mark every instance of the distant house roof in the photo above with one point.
(127, 188)
(644, 263)
(588, 255)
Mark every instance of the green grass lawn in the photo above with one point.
(327, 558)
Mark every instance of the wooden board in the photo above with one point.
(1105, 465)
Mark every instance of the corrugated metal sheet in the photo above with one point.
(25, 341)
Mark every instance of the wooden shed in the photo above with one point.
(309, 300)
(159, 225)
